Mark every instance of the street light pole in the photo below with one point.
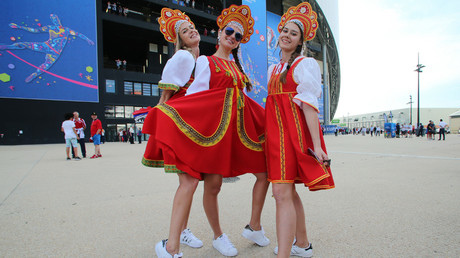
(418, 70)
(410, 102)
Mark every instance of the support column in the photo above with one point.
(326, 98)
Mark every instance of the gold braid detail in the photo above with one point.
(193, 134)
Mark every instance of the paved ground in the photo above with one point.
(394, 197)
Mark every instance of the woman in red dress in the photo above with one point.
(295, 147)
(176, 77)
(217, 131)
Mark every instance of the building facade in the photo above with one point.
(130, 33)
(401, 116)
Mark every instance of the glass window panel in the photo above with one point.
(110, 86)
(165, 50)
(129, 111)
(128, 88)
(155, 90)
(153, 47)
(109, 111)
(146, 89)
(137, 88)
(120, 111)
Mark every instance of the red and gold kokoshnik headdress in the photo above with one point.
(170, 22)
(239, 16)
(303, 16)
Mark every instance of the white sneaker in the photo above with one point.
(257, 237)
(188, 238)
(299, 251)
(224, 246)
(160, 250)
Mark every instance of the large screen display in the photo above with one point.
(48, 50)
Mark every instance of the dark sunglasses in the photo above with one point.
(229, 31)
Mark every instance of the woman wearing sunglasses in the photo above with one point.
(295, 147)
(218, 75)
(216, 131)
(177, 28)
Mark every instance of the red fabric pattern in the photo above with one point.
(205, 132)
(288, 138)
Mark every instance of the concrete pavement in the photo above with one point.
(393, 197)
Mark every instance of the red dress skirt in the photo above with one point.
(217, 131)
(288, 139)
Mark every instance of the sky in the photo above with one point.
(378, 45)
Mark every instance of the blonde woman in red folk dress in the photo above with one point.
(216, 131)
(177, 75)
(295, 147)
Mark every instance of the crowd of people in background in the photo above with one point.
(121, 64)
(116, 8)
(130, 135)
(74, 128)
(403, 130)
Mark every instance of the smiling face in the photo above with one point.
(290, 37)
(229, 41)
(188, 35)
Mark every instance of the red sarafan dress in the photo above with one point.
(177, 75)
(287, 135)
(215, 129)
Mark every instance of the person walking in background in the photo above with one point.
(96, 129)
(430, 130)
(80, 126)
(295, 148)
(70, 135)
(131, 135)
(120, 135)
(442, 130)
(420, 130)
(139, 135)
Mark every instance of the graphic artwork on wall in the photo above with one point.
(48, 50)
(254, 53)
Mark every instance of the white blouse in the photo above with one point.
(307, 75)
(202, 77)
(178, 69)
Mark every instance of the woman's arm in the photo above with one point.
(311, 117)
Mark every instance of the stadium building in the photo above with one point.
(86, 72)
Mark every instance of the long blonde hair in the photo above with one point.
(179, 44)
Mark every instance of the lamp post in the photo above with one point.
(418, 70)
(410, 102)
(348, 120)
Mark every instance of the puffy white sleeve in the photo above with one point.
(308, 75)
(202, 76)
(177, 71)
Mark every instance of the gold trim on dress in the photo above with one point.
(244, 138)
(295, 112)
(193, 134)
(168, 86)
(281, 131)
(152, 163)
(172, 169)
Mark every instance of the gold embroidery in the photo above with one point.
(248, 142)
(152, 163)
(281, 131)
(194, 135)
(295, 112)
(168, 86)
